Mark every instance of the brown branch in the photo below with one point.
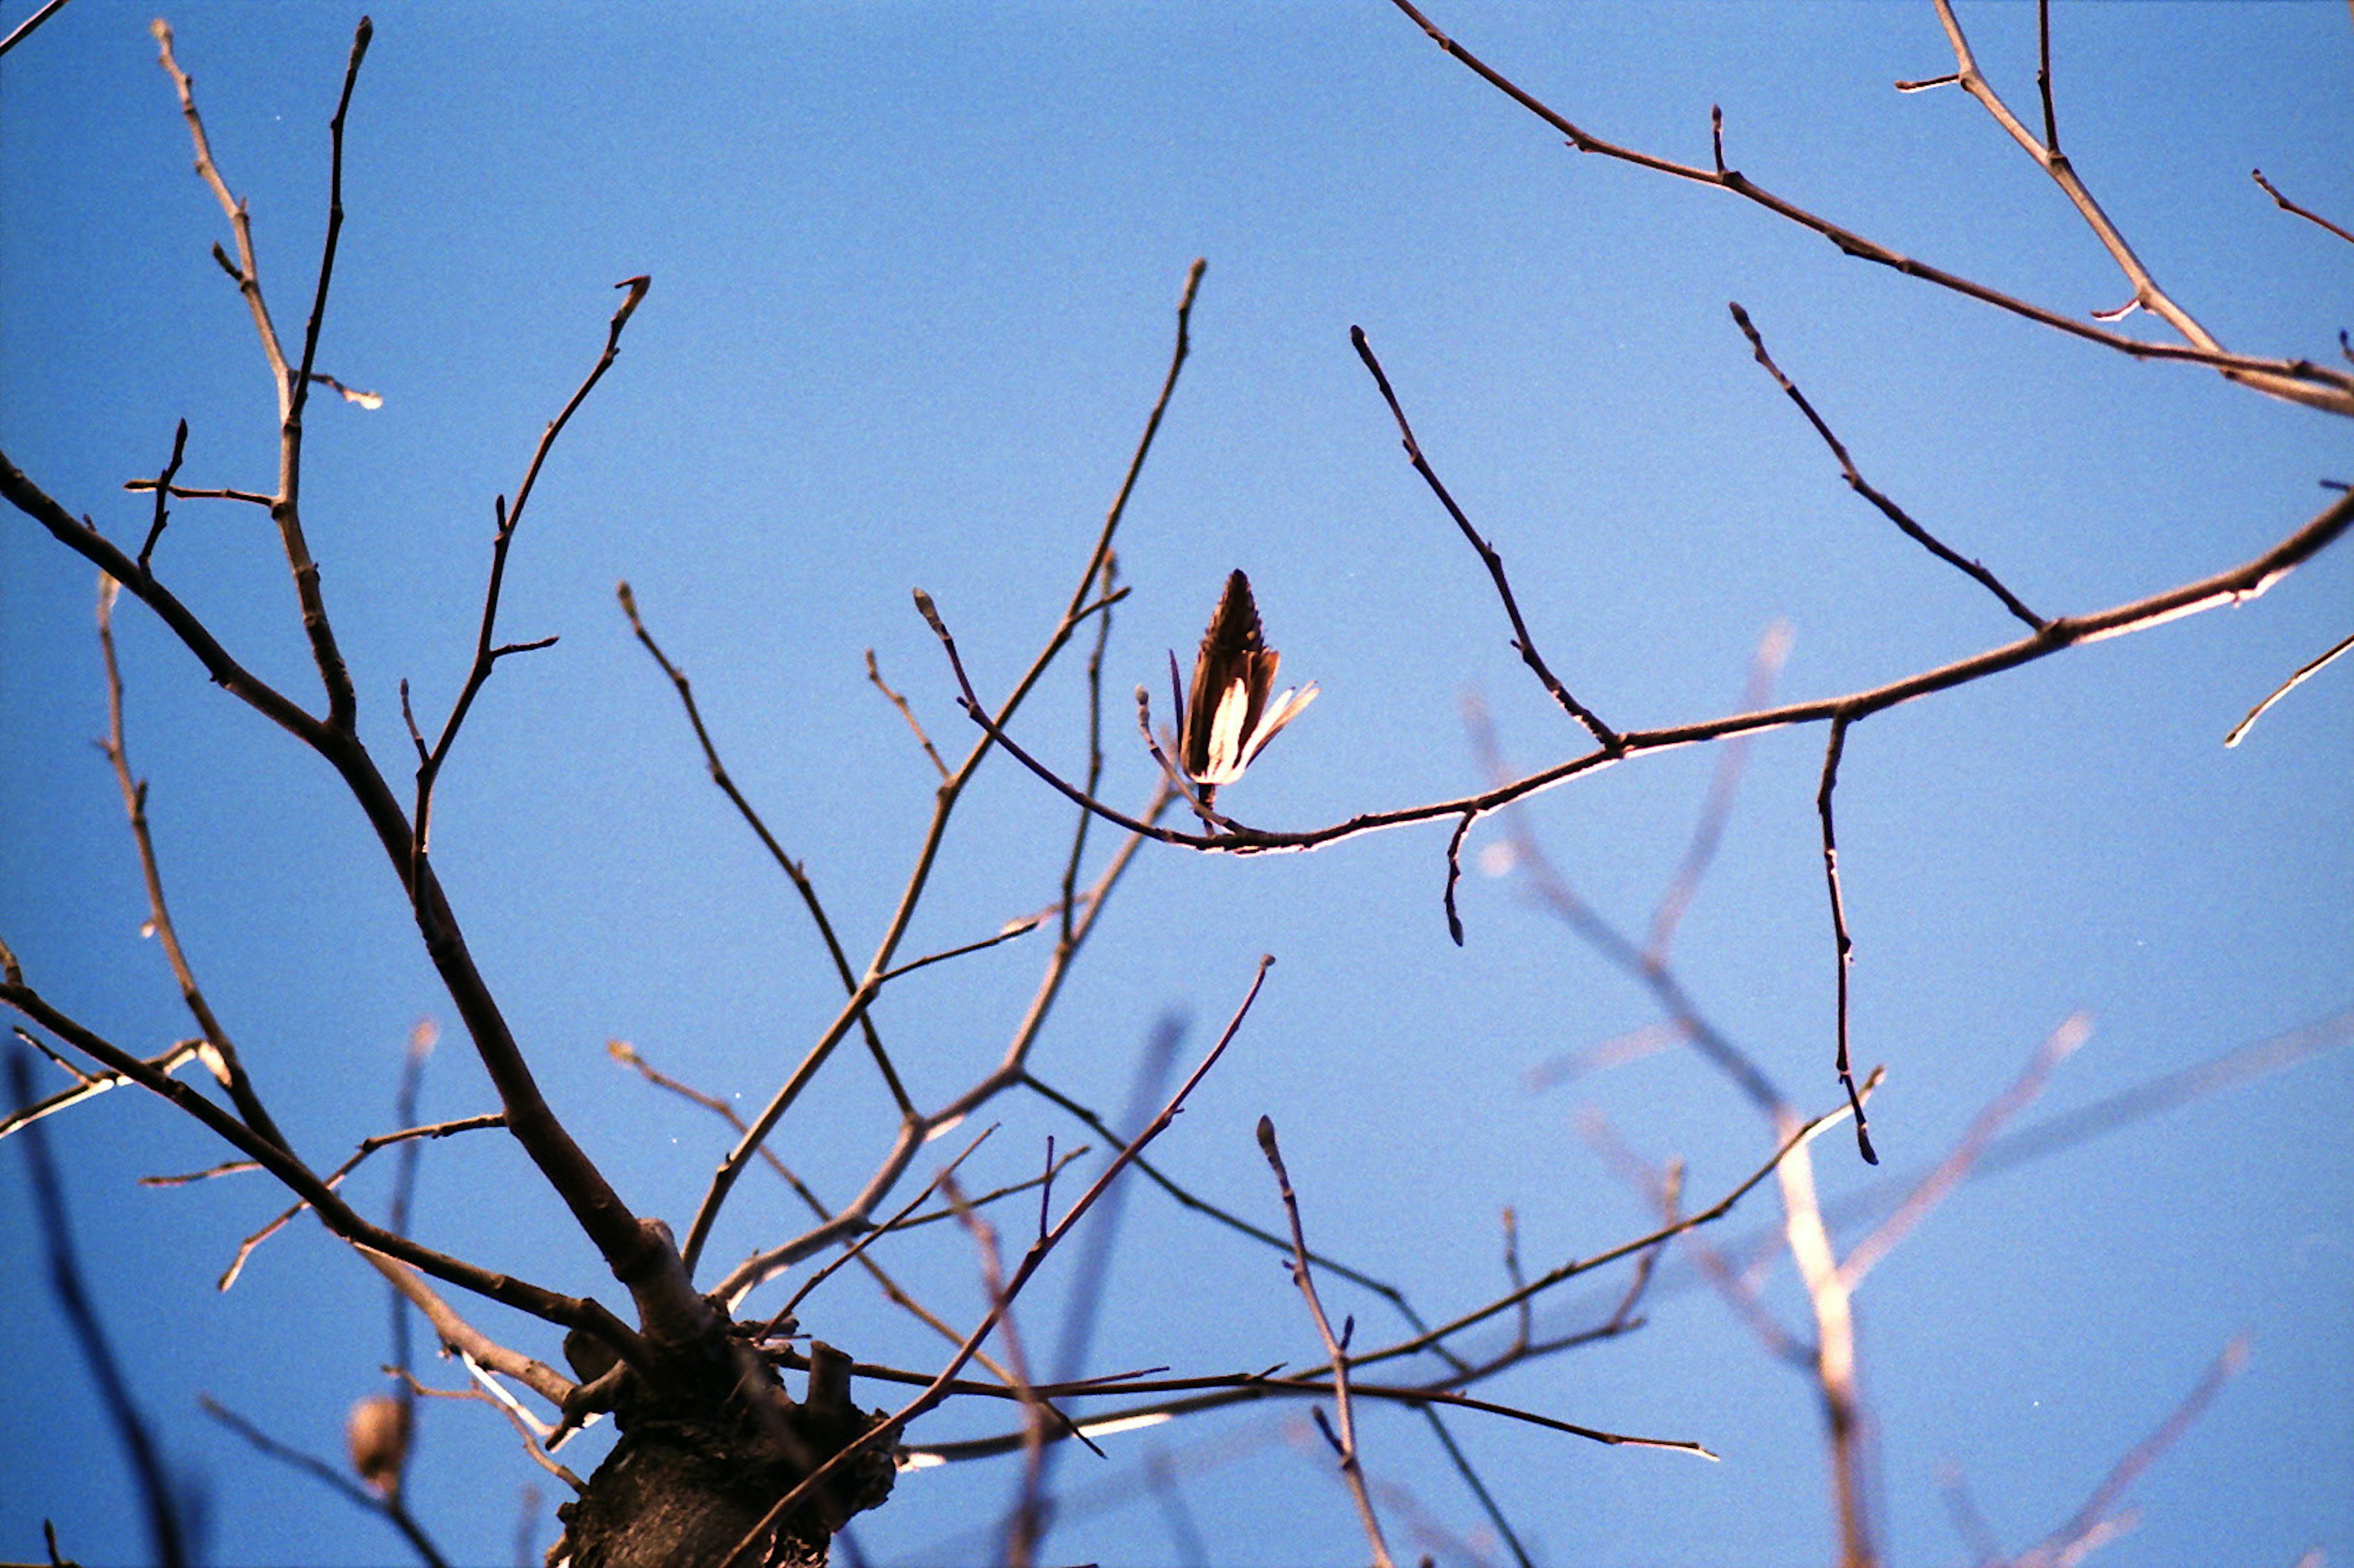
(2287, 206)
(913, 1134)
(163, 493)
(1857, 482)
(225, 1061)
(2294, 380)
(508, 519)
(1336, 1350)
(181, 493)
(334, 1178)
(795, 872)
(1032, 1258)
(2234, 586)
(1522, 643)
(2043, 76)
(285, 508)
(90, 1085)
(1842, 947)
(24, 30)
(339, 1217)
(951, 789)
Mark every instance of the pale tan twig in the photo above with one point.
(2315, 667)
(1951, 1171)
(874, 675)
(2307, 214)
(2090, 1523)
(1716, 809)
(182, 492)
(1650, 968)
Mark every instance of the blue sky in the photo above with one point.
(913, 275)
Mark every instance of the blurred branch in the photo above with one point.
(66, 1288)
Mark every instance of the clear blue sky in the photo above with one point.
(912, 273)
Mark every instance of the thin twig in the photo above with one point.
(24, 30)
(795, 872)
(2293, 380)
(487, 654)
(1842, 947)
(1522, 643)
(2240, 731)
(874, 675)
(2307, 214)
(1857, 482)
(2235, 585)
(1951, 1171)
(1716, 809)
(944, 799)
(2064, 1545)
(1034, 1256)
(92, 1085)
(387, 1506)
(1336, 1350)
(163, 488)
(182, 492)
(229, 1069)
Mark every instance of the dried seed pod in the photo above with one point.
(377, 1431)
(1228, 718)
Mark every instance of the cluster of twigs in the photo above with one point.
(1432, 1363)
